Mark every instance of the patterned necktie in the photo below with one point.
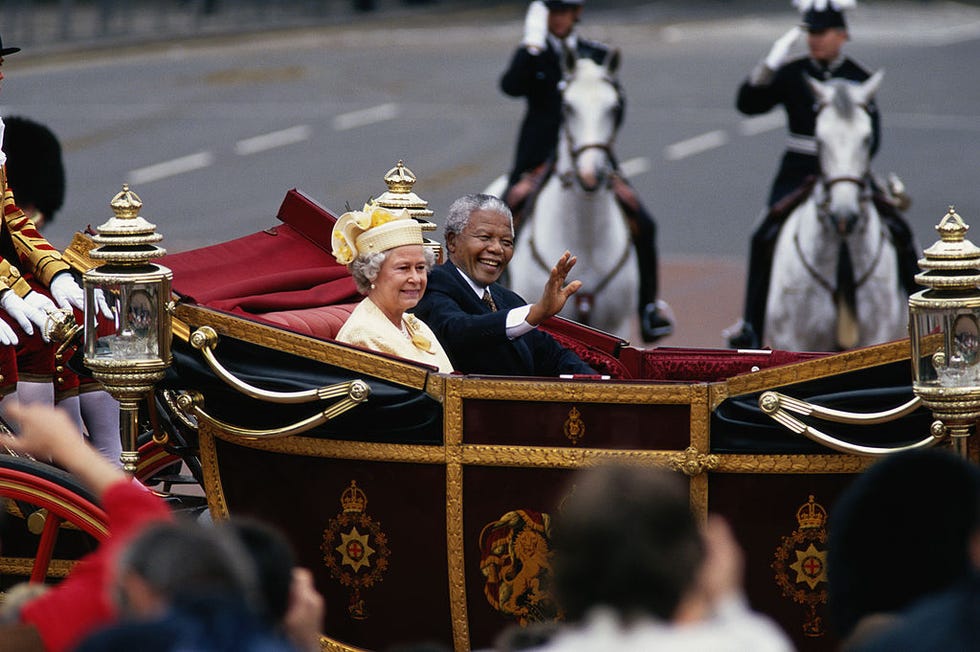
(487, 299)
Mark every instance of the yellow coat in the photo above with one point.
(369, 328)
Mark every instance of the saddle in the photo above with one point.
(781, 210)
(522, 196)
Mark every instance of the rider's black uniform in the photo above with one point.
(787, 86)
(537, 77)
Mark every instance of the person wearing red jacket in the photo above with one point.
(67, 613)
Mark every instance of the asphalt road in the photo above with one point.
(212, 133)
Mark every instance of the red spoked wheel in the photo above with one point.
(46, 511)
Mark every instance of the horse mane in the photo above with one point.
(843, 102)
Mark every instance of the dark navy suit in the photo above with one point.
(475, 337)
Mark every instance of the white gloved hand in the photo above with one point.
(535, 27)
(66, 292)
(7, 335)
(102, 305)
(26, 314)
(780, 49)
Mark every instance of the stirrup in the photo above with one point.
(656, 321)
(741, 335)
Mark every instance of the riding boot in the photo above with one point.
(655, 323)
(905, 248)
(757, 285)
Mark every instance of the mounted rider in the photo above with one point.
(777, 79)
(536, 72)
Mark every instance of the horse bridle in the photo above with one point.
(569, 176)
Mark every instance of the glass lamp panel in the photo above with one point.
(947, 345)
(135, 331)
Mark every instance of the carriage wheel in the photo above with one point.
(45, 506)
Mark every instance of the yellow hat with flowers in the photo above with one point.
(373, 229)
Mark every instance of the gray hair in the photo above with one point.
(187, 559)
(459, 213)
(365, 267)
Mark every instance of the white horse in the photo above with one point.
(835, 279)
(577, 211)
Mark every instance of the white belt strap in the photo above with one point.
(802, 144)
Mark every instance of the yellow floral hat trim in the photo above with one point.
(372, 229)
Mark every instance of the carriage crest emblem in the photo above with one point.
(355, 548)
(800, 564)
(515, 560)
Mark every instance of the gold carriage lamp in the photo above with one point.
(130, 352)
(944, 326)
(400, 194)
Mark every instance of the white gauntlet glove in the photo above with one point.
(780, 49)
(29, 311)
(66, 292)
(535, 27)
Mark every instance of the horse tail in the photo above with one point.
(845, 298)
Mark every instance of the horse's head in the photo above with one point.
(844, 135)
(592, 109)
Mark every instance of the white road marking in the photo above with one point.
(272, 140)
(761, 123)
(696, 145)
(635, 167)
(170, 168)
(365, 117)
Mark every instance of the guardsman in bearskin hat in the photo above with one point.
(35, 169)
(535, 73)
(30, 270)
(36, 176)
(781, 79)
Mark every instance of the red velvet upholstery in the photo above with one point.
(323, 321)
(596, 348)
(274, 275)
(704, 365)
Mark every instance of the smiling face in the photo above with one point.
(400, 282)
(484, 247)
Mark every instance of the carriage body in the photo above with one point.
(424, 510)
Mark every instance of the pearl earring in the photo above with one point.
(373, 286)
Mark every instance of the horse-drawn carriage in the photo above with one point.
(422, 501)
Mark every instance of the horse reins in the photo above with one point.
(824, 283)
(536, 255)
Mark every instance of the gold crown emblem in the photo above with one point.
(353, 499)
(811, 515)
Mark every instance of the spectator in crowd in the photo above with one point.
(290, 603)
(633, 571)
(63, 615)
(916, 511)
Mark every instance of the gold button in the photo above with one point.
(14, 272)
(60, 380)
(59, 368)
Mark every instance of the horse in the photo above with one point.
(576, 209)
(835, 281)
